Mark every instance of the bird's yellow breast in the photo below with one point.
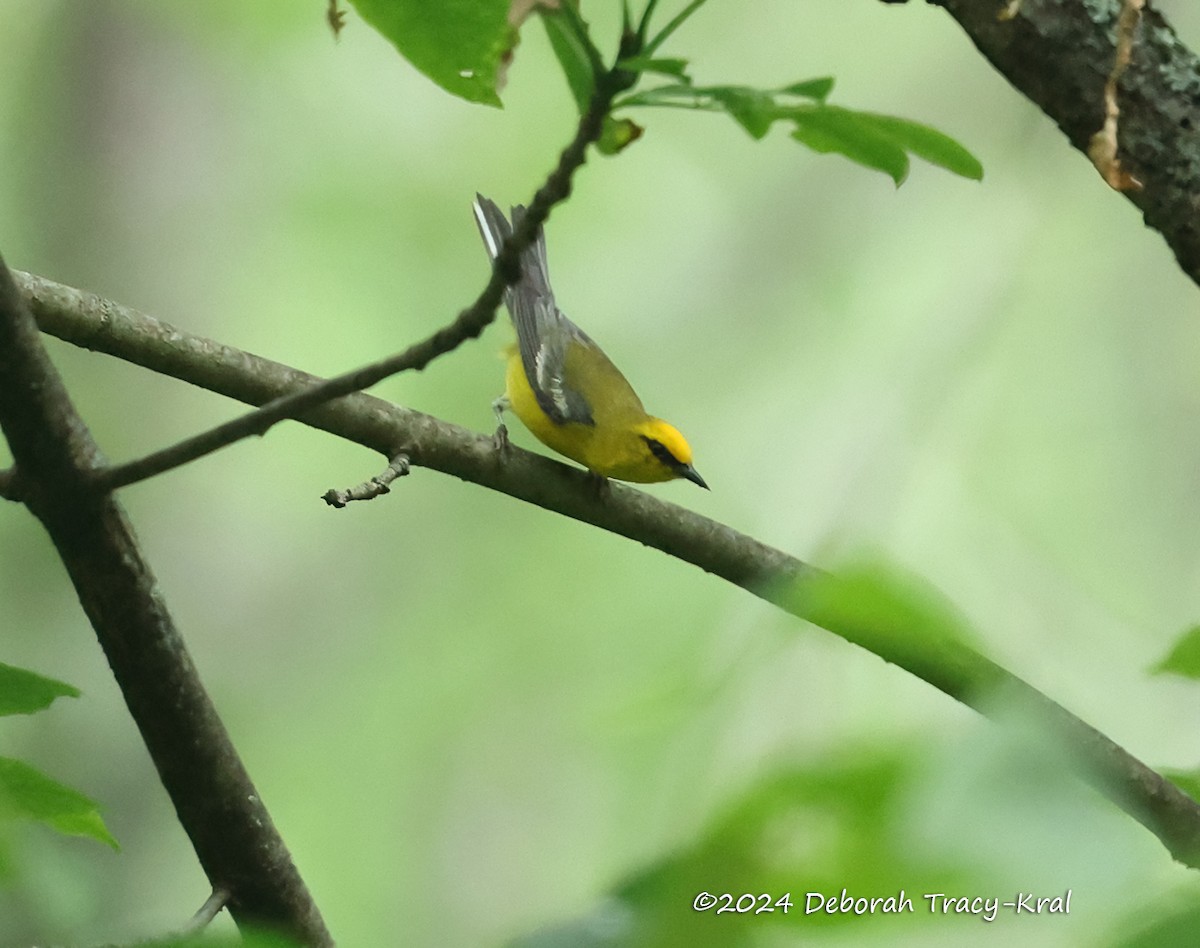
(613, 447)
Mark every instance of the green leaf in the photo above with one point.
(819, 826)
(24, 692)
(1184, 657)
(882, 142)
(572, 53)
(879, 596)
(925, 142)
(459, 44)
(1186, 780)
(750, 108)
(900, 618)
(818, 89)
(827, 129)
(1168, 923)
(27, 793)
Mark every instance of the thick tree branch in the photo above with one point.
(217, 804)
(1060, 53)
(959, 671)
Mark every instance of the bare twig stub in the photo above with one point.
(369, 490)
(207, 912)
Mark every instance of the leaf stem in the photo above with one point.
(671, 27)
(644, 26)
(579, 28)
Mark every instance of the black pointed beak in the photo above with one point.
(690, 473)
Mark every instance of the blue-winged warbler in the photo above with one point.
(564, 388)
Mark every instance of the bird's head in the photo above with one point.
(669, 451)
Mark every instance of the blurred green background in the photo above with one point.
(473, 720)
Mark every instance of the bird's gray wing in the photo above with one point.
(544, 333)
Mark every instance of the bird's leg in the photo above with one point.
(500, 438)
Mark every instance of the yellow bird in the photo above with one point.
(564, 388)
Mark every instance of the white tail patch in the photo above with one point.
(489, 238)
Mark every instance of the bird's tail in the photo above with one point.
(495, 230)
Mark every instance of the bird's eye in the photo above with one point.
(659, 450)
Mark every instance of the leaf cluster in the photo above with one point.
(466, 45)
(25, 792)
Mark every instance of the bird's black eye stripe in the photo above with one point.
(659, 450)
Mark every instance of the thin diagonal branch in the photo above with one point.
(959, 671)
(468, 325)
(217, 803)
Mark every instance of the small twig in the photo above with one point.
(207, 912)
(1102, 149)
(369, 490)
(204, 917)
(468, 325)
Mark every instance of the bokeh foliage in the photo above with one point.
(472, 721)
